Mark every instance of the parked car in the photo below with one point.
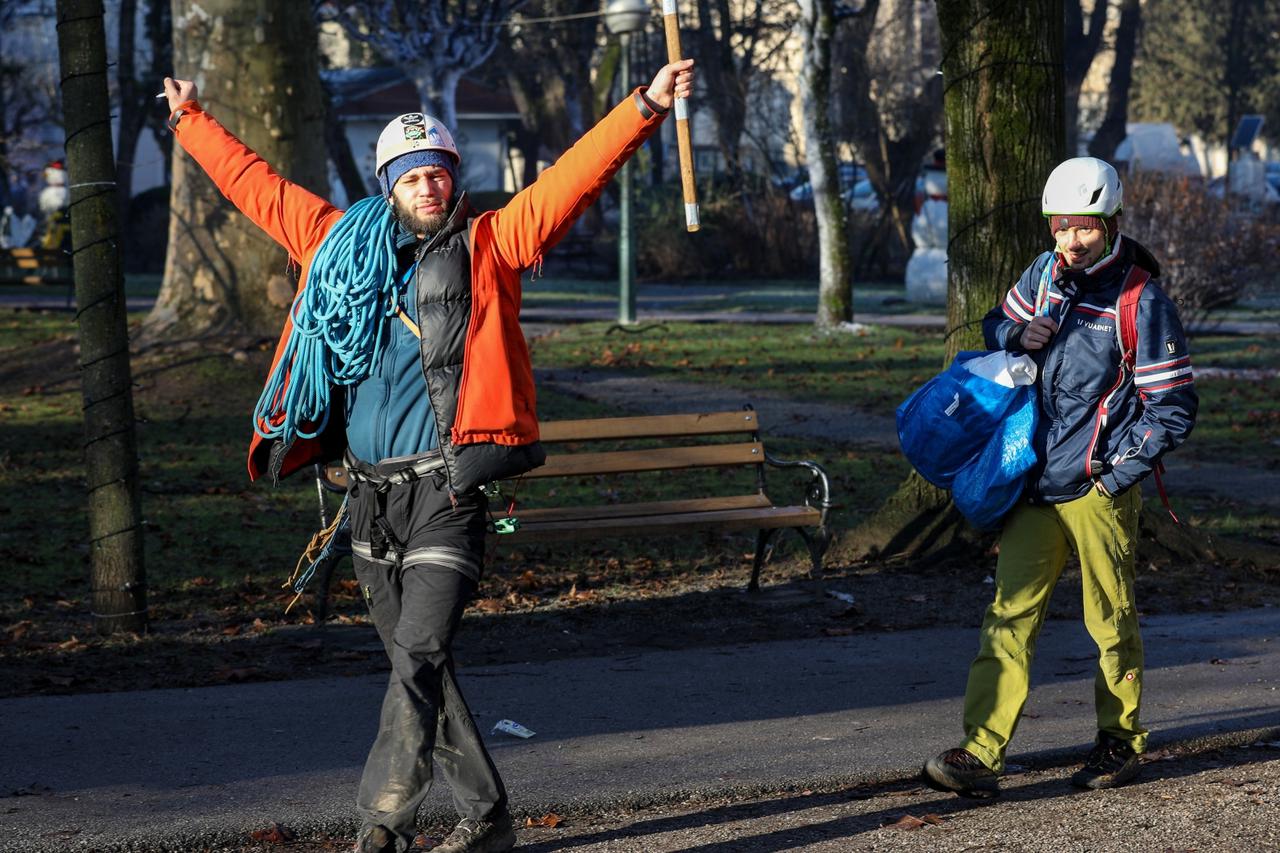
(856, 188)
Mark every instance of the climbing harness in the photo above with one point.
(338, 331)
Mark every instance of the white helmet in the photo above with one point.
(1083, 186)
(413, 132)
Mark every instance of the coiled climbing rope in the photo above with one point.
(338, 323)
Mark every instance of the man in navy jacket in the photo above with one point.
(1105, 422)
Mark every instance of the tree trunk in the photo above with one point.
(118, 581)
(1004, 129)
(1080, 48)
(835, 292)
(718, 66)
(256, 67)
(354, 184)
(1114, 127)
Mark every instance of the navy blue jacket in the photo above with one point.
(1151, 411)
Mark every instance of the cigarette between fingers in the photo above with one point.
(161, 95)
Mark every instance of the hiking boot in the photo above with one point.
(961, 771)
(375, 839)
(1111, 763)
(493, 834)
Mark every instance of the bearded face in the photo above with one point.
(422, 199)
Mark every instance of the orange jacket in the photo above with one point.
(496, 398)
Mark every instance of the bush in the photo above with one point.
(1212, 250)
(755, 234)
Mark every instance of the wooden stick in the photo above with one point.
(671, 21)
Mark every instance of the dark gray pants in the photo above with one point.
(418, 560)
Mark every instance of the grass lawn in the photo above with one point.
(218, 547)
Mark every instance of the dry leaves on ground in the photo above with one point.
(912, 822)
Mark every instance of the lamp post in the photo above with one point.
(624, 17)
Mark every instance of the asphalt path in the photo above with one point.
(195, 768)
(666, 303)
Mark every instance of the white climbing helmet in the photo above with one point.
(413, 132)
(1083, 186)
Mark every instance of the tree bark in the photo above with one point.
(835, 291)
(1114, 127)
(256, 67)
(1003, 103)
(118, 579)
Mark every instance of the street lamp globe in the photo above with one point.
(626, 16)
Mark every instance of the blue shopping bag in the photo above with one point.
(988, 487)
(948, 421)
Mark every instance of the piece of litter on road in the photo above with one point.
(846, 597)
(511, 727)
(988, 579)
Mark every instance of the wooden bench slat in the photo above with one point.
(653, 426)
(657, 459)
(734, 519)
(639, 510)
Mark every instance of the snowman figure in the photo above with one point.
(54, 201)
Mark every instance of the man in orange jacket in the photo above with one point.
(404, 349)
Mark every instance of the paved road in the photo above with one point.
(182, 769)
(663, 303)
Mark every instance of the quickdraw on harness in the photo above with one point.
(319, 549)
(338, 331)
(510, 523)
(1127, 336)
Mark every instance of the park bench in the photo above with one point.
(34, 265)
(676, 444)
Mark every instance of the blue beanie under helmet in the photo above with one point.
(395, 170)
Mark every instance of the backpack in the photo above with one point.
(1126, 334)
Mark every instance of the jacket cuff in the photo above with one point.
(1013, 340)
(1110, 484)
(184, 108)
(647, 106)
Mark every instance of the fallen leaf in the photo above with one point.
(232, 630)
(906, 822)
(73, 643)
(489, 605)
(200, 581)
(274, 834)
(20, 629)
(550, 820)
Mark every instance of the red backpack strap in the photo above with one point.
(1127, 329)
(1127, 314)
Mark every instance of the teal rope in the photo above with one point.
(338, 323)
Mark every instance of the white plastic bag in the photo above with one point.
(1004, 368)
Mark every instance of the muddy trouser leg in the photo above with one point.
(416, 605)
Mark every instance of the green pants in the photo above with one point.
(1033, 548)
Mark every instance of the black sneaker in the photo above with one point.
(493, 834)
(1111, 763)
(375, 839)
(961, 771)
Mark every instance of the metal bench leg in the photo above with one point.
(764, 549)
(817, 543)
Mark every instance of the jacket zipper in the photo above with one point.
(427, 247)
